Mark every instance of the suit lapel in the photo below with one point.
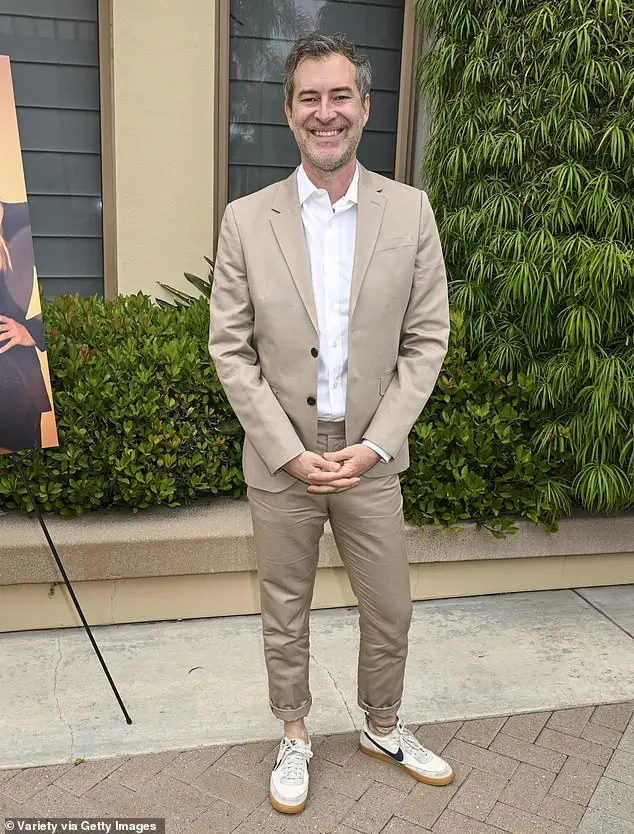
(287, 225)
(369, 216)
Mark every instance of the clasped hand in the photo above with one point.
(333, 471)
(14, 333)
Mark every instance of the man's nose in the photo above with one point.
(325, 111)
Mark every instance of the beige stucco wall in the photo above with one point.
(163, 80)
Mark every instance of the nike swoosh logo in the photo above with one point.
(398, 756)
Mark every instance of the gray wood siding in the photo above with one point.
(262, 149)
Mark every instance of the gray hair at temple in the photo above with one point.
(316, 46)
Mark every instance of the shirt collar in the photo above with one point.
(306, 188)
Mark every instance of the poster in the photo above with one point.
(27, 419)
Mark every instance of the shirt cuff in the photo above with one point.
(381, 452)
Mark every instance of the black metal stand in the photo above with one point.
(20, 468)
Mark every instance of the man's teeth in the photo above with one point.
(326, 132)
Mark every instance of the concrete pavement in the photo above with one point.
(202, 682)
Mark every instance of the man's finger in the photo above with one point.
(324, 477)
(328, 466)
(328, 477)
(325, 489)
(341, 456)
(342, 483)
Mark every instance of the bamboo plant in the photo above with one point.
(530, 169)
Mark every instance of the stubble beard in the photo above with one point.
(331, 165)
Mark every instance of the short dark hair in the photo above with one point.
(318, 46)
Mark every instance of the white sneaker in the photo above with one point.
(289, 779)
(401, 747)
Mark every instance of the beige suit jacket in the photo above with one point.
(264, 324)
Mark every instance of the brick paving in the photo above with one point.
(564, 772)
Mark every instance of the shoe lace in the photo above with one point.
(294, 759)
(411, 743)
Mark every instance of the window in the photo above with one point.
(262, 149)
(54, 52)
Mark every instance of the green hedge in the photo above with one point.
(143, 420)
(472, 455)
(140, 412)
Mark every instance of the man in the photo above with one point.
(329, 324)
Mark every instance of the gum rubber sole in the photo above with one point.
(428, 780)
(286, 809)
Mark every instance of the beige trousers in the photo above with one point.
(369, 530)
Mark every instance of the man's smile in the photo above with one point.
(327, 134)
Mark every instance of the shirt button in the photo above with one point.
(311, 401)
(334, 344)
(314, 352)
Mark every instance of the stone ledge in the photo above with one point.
(152, 598)
(216, 537)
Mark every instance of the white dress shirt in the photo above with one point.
(331, 232)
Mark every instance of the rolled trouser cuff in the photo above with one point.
(291, 714)
(381, 711)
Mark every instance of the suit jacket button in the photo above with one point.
(311, 401)
(314, 352)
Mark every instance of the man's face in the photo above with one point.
(327, 115)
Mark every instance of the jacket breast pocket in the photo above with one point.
(384, 382)
(393, 243)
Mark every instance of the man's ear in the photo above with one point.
(289, 114)
(366, 110)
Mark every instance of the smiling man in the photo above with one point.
(329, 325)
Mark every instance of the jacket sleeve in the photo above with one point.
(423, 343)
(231, 345)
